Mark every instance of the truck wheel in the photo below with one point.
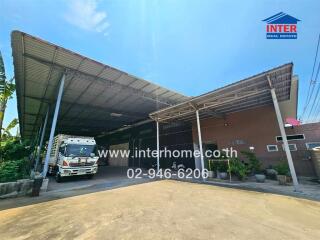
(90, 176)
(58, 178)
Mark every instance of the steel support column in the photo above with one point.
(200, 140)
(158, 148)
(35, 144)
(284, 139)
(53, 126)
(41, 139)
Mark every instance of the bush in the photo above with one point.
(282, 168)
(254, 165)
(212, 165)
(13, 150)
(14, 170)
(238, 168)
(221, 166)
(8, 171)
(14, 163)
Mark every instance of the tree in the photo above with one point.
(6, 131)
(7, 89)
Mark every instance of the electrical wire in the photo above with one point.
(312, 83)
(317, 93)
(317, 111)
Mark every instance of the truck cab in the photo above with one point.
(72, 156)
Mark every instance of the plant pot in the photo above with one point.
(260, 178)
(271, 174)
(282, 179)
(211, 174)
(223, 175)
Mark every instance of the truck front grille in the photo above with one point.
(81, 164)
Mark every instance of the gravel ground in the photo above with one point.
(165, 210)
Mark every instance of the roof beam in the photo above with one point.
(180, 113)
(110, 83)
(107, 110)
(48, 79)
(244, 92)
(83, 92)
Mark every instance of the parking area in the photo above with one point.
(107, 178)
(165, 210)
(106, 174)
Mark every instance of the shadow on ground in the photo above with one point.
(106, 178)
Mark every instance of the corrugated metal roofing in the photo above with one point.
(97, 97)
(245, 94)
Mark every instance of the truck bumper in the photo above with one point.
(65, 172)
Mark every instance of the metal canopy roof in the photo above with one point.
(248, 93)
(97, 98)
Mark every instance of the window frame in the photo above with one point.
(311, 143)
(272, 145)
(293, 144)
(304, 137)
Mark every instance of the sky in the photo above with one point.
(190, 46)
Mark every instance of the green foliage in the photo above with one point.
(222, 166)
(8, 89)
(2, 70)
(12, 124)
(14, 170)
(254, 165)
(282, 168)
(13, 150)
(238, 168)
(6, 135)
(14, 163)
(212, 165)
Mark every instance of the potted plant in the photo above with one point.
(254, 166)
(283, 173)
(271, 173)
(222, 169)
(238, 168)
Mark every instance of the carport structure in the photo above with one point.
(267, 88)
(73, 94)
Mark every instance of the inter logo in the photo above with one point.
(281, 26)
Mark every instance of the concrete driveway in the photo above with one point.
(105, 174)
(166, 210)
(107, 178)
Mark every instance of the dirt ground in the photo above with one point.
(166, 210)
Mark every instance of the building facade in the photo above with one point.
(257, 130)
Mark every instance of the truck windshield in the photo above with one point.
(74, 150)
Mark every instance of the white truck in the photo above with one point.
(73, 155)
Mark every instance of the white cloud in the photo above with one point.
(84, 14)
